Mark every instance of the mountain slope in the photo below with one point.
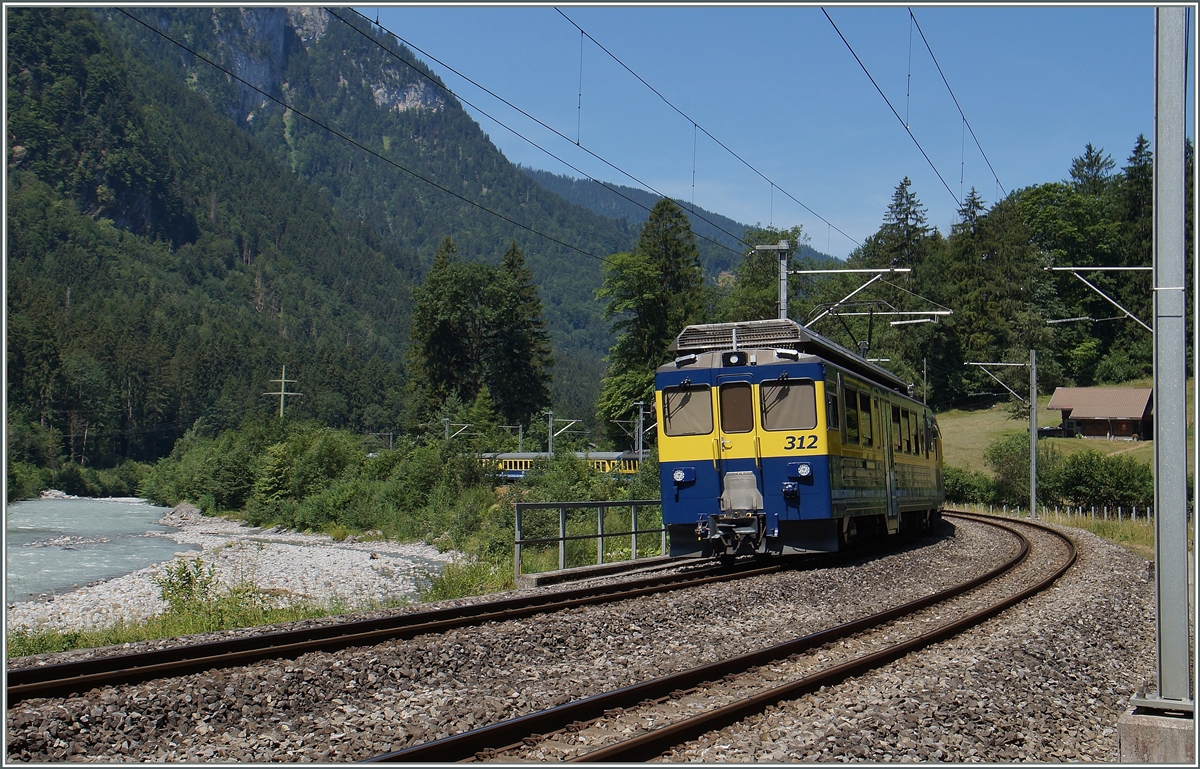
(718, 237)
(162, 266)
(369, 87)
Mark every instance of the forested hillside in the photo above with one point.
(718, 238)
(166, 260)
(333, 66)
(162, 267)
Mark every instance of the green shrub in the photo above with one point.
(965, 485)
(184, 583)
(466, 578)
(26, 481)
(1085, 478)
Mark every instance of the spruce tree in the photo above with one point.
(904, 228)
(652, 293)
(1091, 173)
(448, 327)
(519, 356)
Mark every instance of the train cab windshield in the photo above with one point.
(789, 405)
(687, 410)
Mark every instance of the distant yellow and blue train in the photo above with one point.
(512, 465)
(774, 440)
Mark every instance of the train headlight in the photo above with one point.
(683, 475)
(804, 470)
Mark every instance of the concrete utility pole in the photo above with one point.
(1033, 433)
(1170, 369)
(283, 393)
(782, 249)
(637, 441)
(1160, 726)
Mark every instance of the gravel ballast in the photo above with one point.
(352, 704)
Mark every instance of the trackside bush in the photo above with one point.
(1083, 479)
(966, 485)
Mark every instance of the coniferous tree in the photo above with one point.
(652, 293)
(519, 354)
(1091, 173)
(904, 228)
(448, 344)
(475, 325)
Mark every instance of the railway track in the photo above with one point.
(75, 677)
(725, 692)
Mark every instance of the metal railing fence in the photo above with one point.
(601, 507)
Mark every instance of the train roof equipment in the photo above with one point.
(780, 335)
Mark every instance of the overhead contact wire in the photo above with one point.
(362, 147)
(518, 134)
(553, 130)
(893, 109)
(956, 104)
(702, 128)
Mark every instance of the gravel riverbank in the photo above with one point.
(287, 564)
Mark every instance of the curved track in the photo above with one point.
(79, 676)
(486, 742)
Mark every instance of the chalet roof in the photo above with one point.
(1102, 402)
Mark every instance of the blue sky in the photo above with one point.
(780, 88)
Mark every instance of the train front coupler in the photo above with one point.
(734, 533)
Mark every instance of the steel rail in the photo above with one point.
(653, 744)
(507, 734)
(81, 675)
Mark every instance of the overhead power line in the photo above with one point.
(702, 128)
(956, 104)
(893, 109)
(362, 147)
(555, 131)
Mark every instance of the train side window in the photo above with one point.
(851, 415)
(915, 432)
(687, 410)
(789, 404)
(737, 407)
(897, 438)
(868, 435)
(834, 422)
(905, 432)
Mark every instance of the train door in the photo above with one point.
(890, 422)
(738, 452)
(737, 433)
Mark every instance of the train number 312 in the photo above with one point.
(793, 442)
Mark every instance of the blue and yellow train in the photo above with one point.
(513, 465)
(774, 440)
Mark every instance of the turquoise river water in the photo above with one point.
(55, 545)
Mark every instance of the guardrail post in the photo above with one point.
(517, 546)
(600, 534)
(633, 528)
(562, 538)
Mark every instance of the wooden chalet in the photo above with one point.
(1116, 413)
